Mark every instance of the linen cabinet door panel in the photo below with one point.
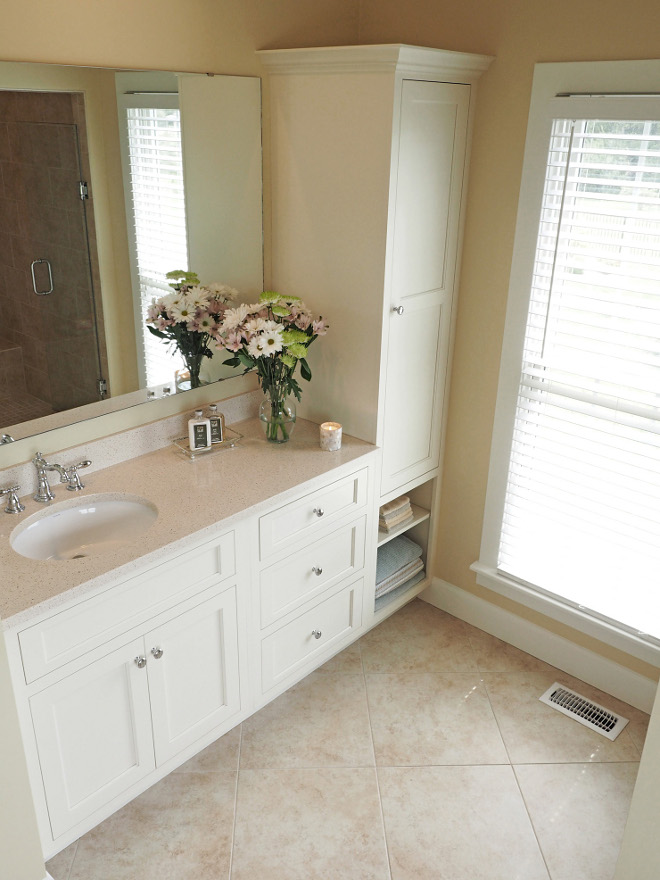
(193, 673)
(416, 370)
(93, 736)
(429, 181)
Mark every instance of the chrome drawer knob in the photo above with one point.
(140, 662)
(398, 309)
(317, 570)
(318, 511)
(157, 653)
(317, 633)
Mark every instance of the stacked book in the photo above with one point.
(394, 514)
(399, 562)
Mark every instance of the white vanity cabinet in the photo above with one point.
(108, 714)
(120, 683)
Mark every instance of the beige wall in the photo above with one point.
(518, 33)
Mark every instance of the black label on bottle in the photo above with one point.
(201, 436)
(216, 429)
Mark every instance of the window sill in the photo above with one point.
(643, 646)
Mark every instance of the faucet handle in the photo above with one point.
(13, 501)
(73, 477)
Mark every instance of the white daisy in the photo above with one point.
(233, 317)
(255, 347)
(182, 311)
(221, 292)
(198, 296)
(271, 341)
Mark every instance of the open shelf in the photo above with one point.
(391, 602)
(419, 515)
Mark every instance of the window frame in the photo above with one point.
(569, 90)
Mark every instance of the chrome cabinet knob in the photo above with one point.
(317, 633)
(318, 511)
(317, 570)
(140, 662)
(398, 309)
(157, 653)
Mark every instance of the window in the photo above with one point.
(573, 517)
(156, 218)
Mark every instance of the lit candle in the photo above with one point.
(330, 436)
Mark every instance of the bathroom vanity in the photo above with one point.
(259, 567)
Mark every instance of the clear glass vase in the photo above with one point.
(278, 417)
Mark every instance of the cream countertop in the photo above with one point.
(192, 498)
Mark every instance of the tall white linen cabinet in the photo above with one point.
(368, 157)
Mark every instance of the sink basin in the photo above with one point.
(83, 527)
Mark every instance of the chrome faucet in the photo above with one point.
(67, 475)
(13, 501)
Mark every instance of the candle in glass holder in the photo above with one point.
(330, 436)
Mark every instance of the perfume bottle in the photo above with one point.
(199, 431)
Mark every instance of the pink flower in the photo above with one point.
(319, 328)
(303, 320)
(232, 342)
(162, 323)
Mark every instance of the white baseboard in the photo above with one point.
(608, 676)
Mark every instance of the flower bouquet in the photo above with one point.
(272, 337)
(189, 317)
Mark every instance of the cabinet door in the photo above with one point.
(193, 673)
(93, 734)
(428, 188)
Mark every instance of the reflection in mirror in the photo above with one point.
(110, 179)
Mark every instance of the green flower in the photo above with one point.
(297, 350)
(282, 311)
(269, 296)
(293, 335)
(286, 359)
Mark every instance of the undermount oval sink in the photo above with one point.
(83, 527)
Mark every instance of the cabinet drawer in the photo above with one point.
(286, 585)
(63, 637)
(288, 649)
(308, 515)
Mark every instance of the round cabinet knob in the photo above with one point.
(318, 511)
(317, 571)
(140, 662)
(317, 633)
(398, 309)
(157, 653)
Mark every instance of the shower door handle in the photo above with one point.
(34, 280)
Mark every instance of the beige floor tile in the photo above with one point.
(180, 829)
(220, 755)
(347, 662)
(494, 655)
(579, 812)
(418, 638)
(323, 721)
(429, 718)
(458, 823)
(60, 865)
(309, 824)
(536, 733)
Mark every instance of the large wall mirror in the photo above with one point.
(108, 180)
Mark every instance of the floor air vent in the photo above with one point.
(580, 709)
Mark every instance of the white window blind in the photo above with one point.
(582, 509)
(159, 222)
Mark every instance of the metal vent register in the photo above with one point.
(580, 709)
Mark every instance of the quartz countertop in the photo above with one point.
(193, 499)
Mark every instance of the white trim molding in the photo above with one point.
(607, 675)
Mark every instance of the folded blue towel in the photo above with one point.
(394, 555)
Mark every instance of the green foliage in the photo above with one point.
(180, 276)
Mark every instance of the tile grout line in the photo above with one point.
(233, 830)
(380, 799)
(513, 770)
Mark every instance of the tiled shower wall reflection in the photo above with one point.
(48, 356)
